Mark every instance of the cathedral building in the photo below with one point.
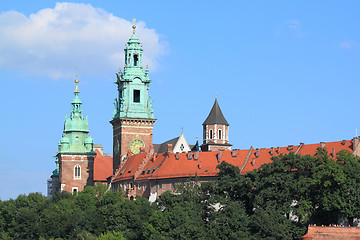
(78, 162)
(139, 167)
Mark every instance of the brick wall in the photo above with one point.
(67, 164)
(124, 131)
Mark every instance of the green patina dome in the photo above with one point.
(76, 124)
(133, 100)
(76, 129)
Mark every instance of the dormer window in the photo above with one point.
(136, 96)
(136, 59)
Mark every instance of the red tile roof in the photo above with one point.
(102, 167)
(310, 149)
(144, 166)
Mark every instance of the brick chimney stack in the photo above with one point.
(169, 148)
(219, 156)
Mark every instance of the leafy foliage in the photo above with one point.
(276, 201)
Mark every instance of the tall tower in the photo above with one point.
(75, 156)
(215, 131)
(133, 116)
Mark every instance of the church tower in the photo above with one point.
(215, 131)
(133, 116)
(75, 157)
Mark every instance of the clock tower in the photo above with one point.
(133, 116)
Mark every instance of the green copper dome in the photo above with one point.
(133, 100)
(76, 129)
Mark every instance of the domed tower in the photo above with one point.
(215, 131)
(133, 116)
(75, 157)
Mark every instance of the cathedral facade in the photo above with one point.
(139, 167)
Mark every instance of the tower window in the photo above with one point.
(219, 134)
(77, 172)
(211, 134)
(136, 60)
(137, 96)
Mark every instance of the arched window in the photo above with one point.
(136, 60)
(77, 172)
(211, 134)
(219, 134)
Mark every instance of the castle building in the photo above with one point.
(139, 167)
(148, 169)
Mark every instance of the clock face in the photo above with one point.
(135, 145)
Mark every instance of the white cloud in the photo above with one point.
(348, 45)
(292, 26)
(52, 41)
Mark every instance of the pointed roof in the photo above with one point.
(216, 116)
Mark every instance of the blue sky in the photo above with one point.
(284, 72)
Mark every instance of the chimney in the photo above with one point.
(177, 156)
(322, 144)
(99, 147)
(152, 150)
(189, 155)
(355, 143)
(196, 155)
(290, 147)
(253, 162)
(272, 151)
(278, 150)
(169, 148)
(333, 152)
(257, 153)
(219, 156)
(234, 153)
(343, 142)
(142, 149)
(154, 157)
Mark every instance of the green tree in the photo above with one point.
(111, 236)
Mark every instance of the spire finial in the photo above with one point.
(76, 82)
(134, 25)
(216, 95)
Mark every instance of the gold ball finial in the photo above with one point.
(76, 78)
(134, 26)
